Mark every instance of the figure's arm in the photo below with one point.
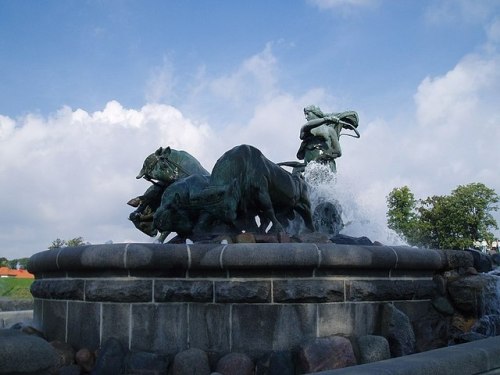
(311, 124)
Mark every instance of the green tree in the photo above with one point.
(23, 262)
(401, 216)
(58, 243)
(77, 241)
(4, 262)
(455, 221)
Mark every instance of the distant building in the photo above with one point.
(18, 273)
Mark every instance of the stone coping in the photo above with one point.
(149, 256)
(477, 357)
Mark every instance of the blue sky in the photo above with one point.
(89, 88)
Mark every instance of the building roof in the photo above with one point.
(21, 274)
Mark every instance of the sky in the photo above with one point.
(89, 88)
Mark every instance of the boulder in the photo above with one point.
(443, 305)
(235, 364)
(275, 363)
(325, 353)
(343, 239)
(85, 359)
(372, 348)
(191, 361)
(144, 361)
(488, 325)
(22, 353)
(476, 295)
(469, 337)
(111, 359)
(397, 329)
(482, 261)
(65, 352)
(70, 370)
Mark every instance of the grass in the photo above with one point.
(15, 288)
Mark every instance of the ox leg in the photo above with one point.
(304, 210)
(162, 237)
(266, 207)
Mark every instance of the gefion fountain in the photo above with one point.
(287, 291)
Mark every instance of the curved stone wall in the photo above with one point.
(250, 298)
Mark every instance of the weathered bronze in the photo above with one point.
(321, 133)
(246, 192)
(161, 168)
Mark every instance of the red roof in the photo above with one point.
(21, 274)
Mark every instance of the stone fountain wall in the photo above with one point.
(251, 298)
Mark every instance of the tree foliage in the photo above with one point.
(452, 221)
(58, 243)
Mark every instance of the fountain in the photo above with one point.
(283, 288)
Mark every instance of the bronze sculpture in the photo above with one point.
(244, 186)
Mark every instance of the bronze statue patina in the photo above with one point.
(246, 192)
(247, 184)
(243, 184)
(320, 137)
(161, 168)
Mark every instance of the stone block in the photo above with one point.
(242, 291)
(116, 322)
(83, 325)
(352, 273)
(275, 273)
(209, 326)
(146, 363)
(348, 319)
(156, 256)
(38, 312)
(380, 290)
(205, 256)
(272, 327)
(418, 259)
(183, 291)
(270, 255)
(119, 290)
(54, 320)
(351, 256)
(62, 289)
(44, 261)
(316, 290)
(159, 328)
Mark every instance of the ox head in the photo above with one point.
(158, 167)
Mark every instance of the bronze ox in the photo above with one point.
(243, 184)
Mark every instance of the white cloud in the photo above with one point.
(468, 11)
(72, 173)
